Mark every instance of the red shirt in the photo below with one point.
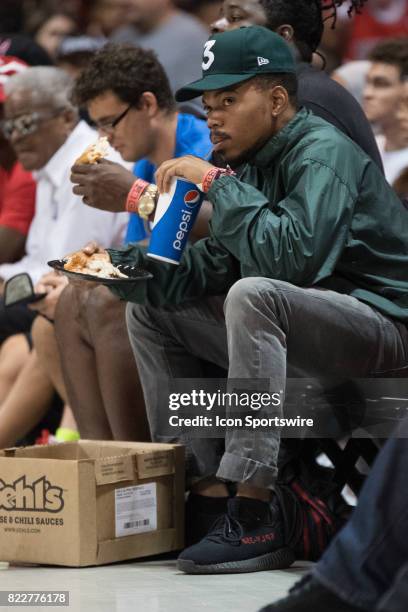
(17, 198)
(367, 31)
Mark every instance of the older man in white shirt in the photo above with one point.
(43, 128)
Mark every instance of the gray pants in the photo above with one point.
(262, 326)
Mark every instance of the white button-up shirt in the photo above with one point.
(62, 223)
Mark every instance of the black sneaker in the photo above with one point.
(201, 514)
(309, 594)
(249, 538)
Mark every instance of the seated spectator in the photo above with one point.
(366, 566)
(384, 93)
(289, 253)
(17, 187)
(300, 23)
(118, 80)
(42, 126)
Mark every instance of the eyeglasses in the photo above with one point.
(26, 124)
(109, 126)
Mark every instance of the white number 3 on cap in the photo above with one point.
(208, 55)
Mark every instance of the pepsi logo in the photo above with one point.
(192, 198)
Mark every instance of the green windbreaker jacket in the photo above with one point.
(311, 209)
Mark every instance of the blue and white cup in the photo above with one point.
(175, 215)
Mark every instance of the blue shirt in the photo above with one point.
(192, 138)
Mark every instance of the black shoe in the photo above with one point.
(310, 595)
(201, 514)
(249, 538)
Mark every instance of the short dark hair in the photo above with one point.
(287, 80)
(393, 51)
(306, 19)
(126, 70)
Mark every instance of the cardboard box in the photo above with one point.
(89, 503)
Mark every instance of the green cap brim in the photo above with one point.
(211, 83)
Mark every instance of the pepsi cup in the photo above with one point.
(175, 214)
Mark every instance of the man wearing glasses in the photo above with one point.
(128, 96)
(42, 126)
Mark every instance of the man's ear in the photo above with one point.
(279, 100)
(69, 117)
(148, 103)
(286, 31)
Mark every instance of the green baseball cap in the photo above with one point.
(237, 56)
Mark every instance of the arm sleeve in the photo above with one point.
(298, 240)
(205, 269)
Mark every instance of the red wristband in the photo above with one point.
(137, 189)
(213, 174)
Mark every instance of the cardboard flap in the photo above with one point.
(157, 463)
(9, 452)
(141, 545)
(114, 469)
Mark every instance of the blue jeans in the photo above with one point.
(367, 563)
(261, 327)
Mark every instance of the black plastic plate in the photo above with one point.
(134, 274)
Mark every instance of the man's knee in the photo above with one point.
(251, 293)
(137, 318)
(67, 304)
(102, 308)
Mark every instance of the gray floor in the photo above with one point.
(152, 586)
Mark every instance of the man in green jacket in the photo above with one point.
(310, 247)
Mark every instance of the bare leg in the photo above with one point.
(68, 419)
(117, 372)
(14, 354)
(79, 365)
(100, 373)
(27, 402)
(45, 344)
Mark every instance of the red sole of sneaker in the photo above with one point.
(279, 559)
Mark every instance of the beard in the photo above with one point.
(222, 161)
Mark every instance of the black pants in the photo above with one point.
(14, 320)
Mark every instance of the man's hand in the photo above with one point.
(53, 285)
(104, 185)
(191, 168)
(90, 248)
